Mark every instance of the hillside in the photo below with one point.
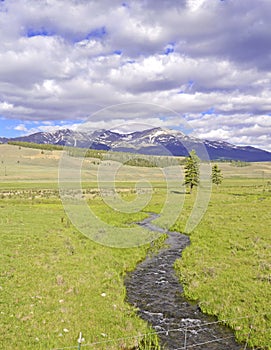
(156, 141)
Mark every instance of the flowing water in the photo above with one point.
(155, 290)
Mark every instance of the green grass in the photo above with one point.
(227, 267)
(55, 282)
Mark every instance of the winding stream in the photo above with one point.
(155, 290)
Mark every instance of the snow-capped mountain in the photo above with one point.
(156, 141)
(3, 140)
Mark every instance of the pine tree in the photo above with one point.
(216, 175)
(192, 173)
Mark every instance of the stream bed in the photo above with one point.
(155, 290)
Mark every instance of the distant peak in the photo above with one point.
(164, 130)
(149, 141)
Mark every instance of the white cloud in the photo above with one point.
(194, 5)
(5, 106)
(21, 127)
(66, 60)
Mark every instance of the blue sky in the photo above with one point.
(16, 127)
(205, 62)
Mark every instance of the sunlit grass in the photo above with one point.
(55, 282)
(227, 267)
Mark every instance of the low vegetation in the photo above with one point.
(132, 159)
(55, 282)
(33, 145)
(239, 163)
(227, 267)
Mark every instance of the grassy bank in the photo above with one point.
(55, 282)
(227, 267)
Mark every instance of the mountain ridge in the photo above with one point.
(155, 141)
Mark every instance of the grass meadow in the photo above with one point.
(227, 267)
(55, 282)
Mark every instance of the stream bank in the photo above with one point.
(154, 289)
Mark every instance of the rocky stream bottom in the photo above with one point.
(155, 290)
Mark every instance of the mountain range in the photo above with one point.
(156, 141)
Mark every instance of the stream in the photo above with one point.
(155, 290)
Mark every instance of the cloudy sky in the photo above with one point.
(153, 62)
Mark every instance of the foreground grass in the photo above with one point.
(227, 267)
(55, 282)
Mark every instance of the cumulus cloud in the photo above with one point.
(20, 127)
(209, 61)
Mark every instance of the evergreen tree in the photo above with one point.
(192, 173)
(216, 175)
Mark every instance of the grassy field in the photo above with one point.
(55, 282)
(227, 267)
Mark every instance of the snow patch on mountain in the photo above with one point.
(156, 141)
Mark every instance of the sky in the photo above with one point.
(135, 64)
